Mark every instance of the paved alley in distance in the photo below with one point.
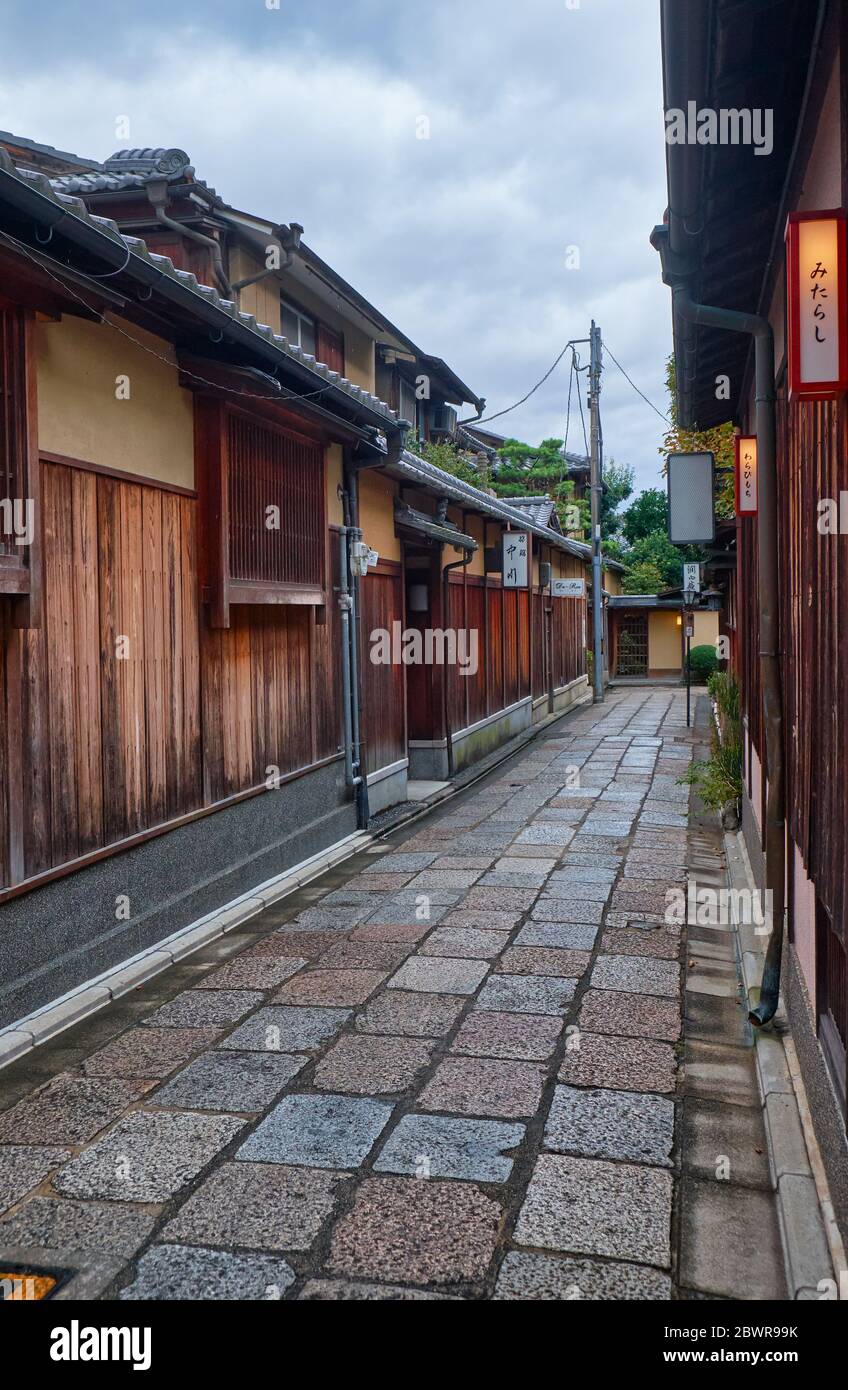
(448, 1069)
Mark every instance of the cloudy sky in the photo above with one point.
(545, 148)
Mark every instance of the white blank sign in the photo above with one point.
(691, 498)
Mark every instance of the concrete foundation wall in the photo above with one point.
(60, 936)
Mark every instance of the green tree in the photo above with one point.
(645, 516)
(643, 577)
(618, 486)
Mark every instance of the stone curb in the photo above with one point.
(809, 1251)
(24, 1034)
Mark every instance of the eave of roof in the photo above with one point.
(131, 257)
(409, 468)
(726, 205)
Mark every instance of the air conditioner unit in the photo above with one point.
(443, 420)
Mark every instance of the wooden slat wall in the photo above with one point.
(813, 449)
(126, 710)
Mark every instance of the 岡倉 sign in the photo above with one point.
(817, 304)
(745, 469)
(515, 572)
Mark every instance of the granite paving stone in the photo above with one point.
(364, 955)
(204, 1008)
(285, 944)
(147, 1157)
(181, 1272)
(637, 975)
(391, 932)
(287, 1029)
(537, 960)
(439, 975)
(25, 1166)
(409, 912)
(611, 1124)
(401, 861)
(324, 1131)
(542, 833)
(345, 1291)
(627, 1064)
(525, 1037)
(535, 1278)
(59, 1223)
(149, 1052)
(569, 887)
(254, 972)
(472, 942)
(433, 1146)
(526, 994)
(369, 1064)
(68, 1110)
(594, 1207)
(482, 920)
(514, 864)
(327, 919)
(661, 942)
(258, 1206)
(484, 1086)
(414, 1015)
(416, 1231)
(499, 899)
(330, 987)
(636, 1015)
(386, 883)
(431, 879)
(568, 936)
(567, 910)
(233, 1081)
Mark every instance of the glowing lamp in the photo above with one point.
(817, 305)
(745, 473)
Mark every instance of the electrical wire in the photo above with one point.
(509, 409)
(655, 408)
(101, 318)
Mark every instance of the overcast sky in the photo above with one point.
(545, 134)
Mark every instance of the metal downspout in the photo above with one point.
(345, 606)
(352, 493)
(767, 581)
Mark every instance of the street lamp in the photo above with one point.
(690, 597)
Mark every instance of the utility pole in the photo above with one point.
(596, 489)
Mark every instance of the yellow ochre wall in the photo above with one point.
(664, 641)
(79, 415)
(376, 514)
(333, 466)
(261, 299)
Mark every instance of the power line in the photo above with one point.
(485, 418)
(655, 408)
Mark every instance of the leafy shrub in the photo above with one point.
(702, 663)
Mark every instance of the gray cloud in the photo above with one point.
(545, 128)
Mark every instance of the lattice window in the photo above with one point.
(276, 496)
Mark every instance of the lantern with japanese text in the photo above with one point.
(817, 305)
(745, 471)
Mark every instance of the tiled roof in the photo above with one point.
(137, 253)
(539, 509)
(411, 468)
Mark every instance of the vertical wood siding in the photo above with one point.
(125, 709)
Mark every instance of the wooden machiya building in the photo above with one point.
(760, 236)
(189, 706)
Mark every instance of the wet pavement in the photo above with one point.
(447, 1069)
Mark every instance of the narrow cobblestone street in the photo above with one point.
(447, 1070)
